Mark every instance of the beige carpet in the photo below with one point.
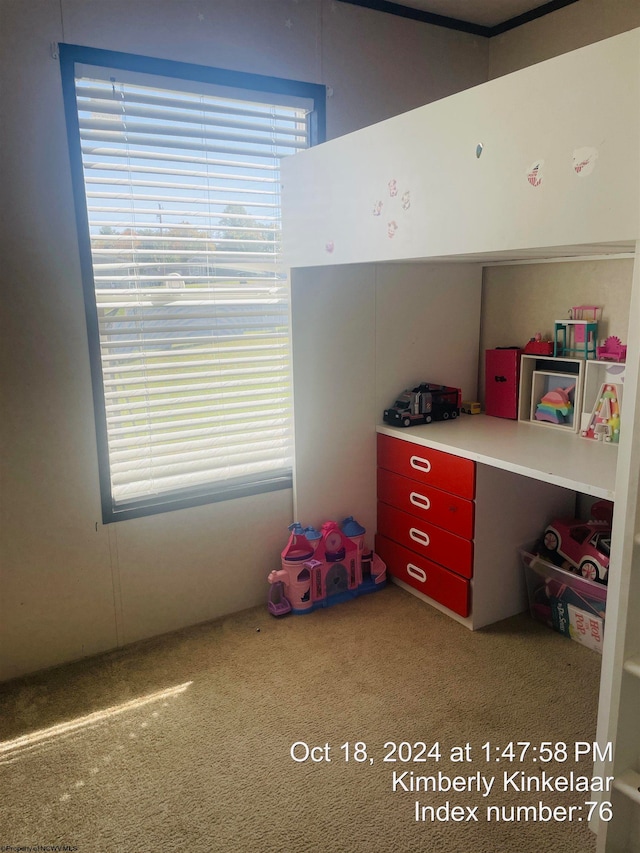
(183, 743)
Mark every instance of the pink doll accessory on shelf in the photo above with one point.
(612, 350)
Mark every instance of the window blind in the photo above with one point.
(182, 195)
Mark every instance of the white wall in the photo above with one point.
(334, 345)
(69, 586)
(362, 333)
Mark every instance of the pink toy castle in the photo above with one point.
(321, 568)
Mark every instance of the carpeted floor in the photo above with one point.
(183, 743)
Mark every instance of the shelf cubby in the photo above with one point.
(541, 374)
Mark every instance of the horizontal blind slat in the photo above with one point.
(153, 396)
(212, 216)
(94, 180)
(240, 473)
(277, 354)
(163, 452)
(140, 347)
(242, 459)
(161, 407)
(244, 145)
(202, 437)
(190, 160)
(107, 93)
(180, 119)
(231, 416)
(204, 190)
(180, 226)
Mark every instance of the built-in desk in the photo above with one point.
(525, 476)
(529, 449)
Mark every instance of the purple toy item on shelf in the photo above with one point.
(324, 568)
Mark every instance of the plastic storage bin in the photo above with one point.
(566, 602)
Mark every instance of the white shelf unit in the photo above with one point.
(455, 212)
(537, 377)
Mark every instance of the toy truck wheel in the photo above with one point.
(445, 416)
(427, 419)
(589, 570)
(406, 422)
(550, 540)
(454, 414)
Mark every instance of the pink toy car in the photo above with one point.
(585, 545)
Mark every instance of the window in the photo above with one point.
(176, 172)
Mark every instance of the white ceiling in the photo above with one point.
(486, 13)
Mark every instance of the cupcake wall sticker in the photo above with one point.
(584, 161)
(534, 173)
(397, 203)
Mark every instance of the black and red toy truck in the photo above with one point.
(424, 403)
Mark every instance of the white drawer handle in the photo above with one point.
(420, 500)
(419, 536)
(416, 572)
(420, 464)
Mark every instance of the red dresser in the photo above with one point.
(426, 520)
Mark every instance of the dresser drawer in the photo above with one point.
(426, 539)
(432, 467)
(432, 505)
(429, 578)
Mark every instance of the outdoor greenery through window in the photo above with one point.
(177, 181)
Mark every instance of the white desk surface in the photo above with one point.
(542, 453)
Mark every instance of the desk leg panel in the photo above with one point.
(511, 510)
